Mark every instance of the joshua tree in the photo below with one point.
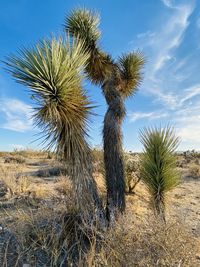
(53, 71)
(118, 80)
(158, 165)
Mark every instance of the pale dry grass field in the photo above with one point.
(37, 189)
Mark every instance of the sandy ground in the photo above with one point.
(182, 203)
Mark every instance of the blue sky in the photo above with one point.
(168, 33)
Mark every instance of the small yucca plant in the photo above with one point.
(158, 165)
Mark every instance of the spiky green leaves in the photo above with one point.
(158, 165)
(82, 24)
(53, 70)
(131, 68)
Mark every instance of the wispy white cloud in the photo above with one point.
(171, 35)
(171, 76)
(176, 100)
(161, 45)
(167, 3)
(189, 93)
(185, 119)
(16, 115)
(134, 116)
(146, 35)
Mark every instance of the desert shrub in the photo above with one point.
(3, 189)
(50, 235)
(54, 171)
(194, 171)
(29, 153)
(190, 155)
(3, 154)
(131, 174)
(63, 185)
(147, 244)
(39, 235)
(158, 165)
(40, 192)
(23, 183)
(15, 184)
(15, 159)
(181, 163)
(194, 153)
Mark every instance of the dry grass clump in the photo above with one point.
(30, 153)
(50, 230)
(18, 159)
(63, 185)
(194, 171)
(16, 184)
(53, 237)
(38, 233)
(181, 163)
(148, 244)
(48, 236)
(52, 171)
(40, 192)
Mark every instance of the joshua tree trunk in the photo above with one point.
(113, 152)
(87, 196)
(80, 169)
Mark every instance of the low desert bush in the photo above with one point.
(63, 185)
(28, 153)
(197, 161)
(147, 244)
(16, 184)
(194, 171)
(181, 163)
(15, 159)
(53, 171)
(22, 184)
(52, 236)
(132, 177)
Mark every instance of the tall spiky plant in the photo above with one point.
(158, 165)
(53, 71)
(118, 80)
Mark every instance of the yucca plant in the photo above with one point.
(118, 80)
(158, 165)
(53, 71)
